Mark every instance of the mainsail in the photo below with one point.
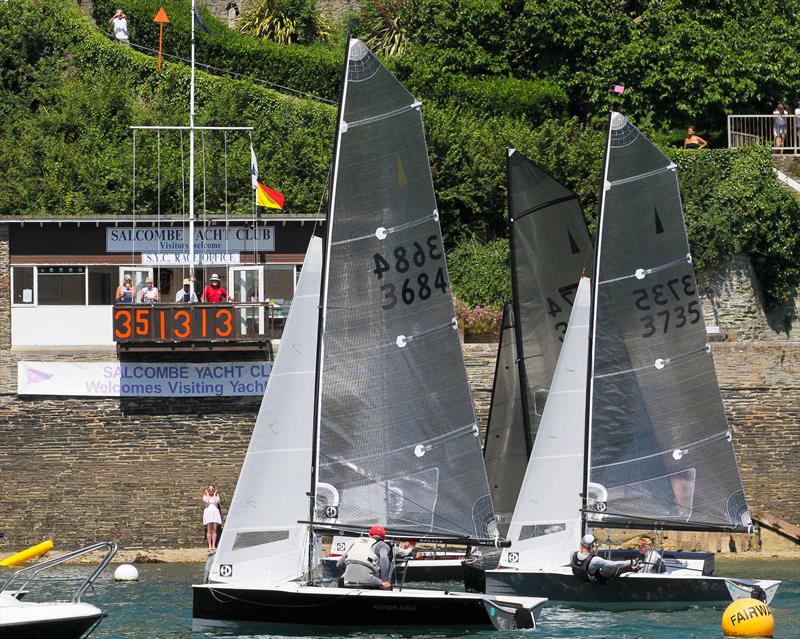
(660, 446)
(550, 246)
(504, 451)
(398, 437)
(262, 538)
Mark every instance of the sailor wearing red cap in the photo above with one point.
(368, 563)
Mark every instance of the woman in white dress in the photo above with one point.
(212, 519)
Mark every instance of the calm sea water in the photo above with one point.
(159, 607)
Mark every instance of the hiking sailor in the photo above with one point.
(596, 570)
(368, 562)
(650, 558)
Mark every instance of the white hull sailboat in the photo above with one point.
(634, 433)
(367, 416)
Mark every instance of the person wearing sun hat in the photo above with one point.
(214, 292)
(186, 294)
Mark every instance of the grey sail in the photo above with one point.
(660, 446)
(398, 438)
(504, 451)
(550, 246)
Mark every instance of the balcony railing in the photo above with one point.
(782, 133)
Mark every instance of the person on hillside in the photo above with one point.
(368, 562)
(120, 22)
(214, 292)
(588, 566)
(212, 517)
(693, 141)
(780, 125)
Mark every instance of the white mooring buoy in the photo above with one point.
(126, 572)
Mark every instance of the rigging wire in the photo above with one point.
(133, 204)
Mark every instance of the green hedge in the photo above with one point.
(480, 274)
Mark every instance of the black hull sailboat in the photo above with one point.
(634, 433)
(367, 417)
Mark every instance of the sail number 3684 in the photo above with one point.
(661, 295)
(401, 259)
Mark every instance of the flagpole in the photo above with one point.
(191, 157)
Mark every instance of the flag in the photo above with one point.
(199, 21)
(269, 198)
(253, 168)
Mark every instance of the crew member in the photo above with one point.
(596, 570)
(649, 558)
(368, 562)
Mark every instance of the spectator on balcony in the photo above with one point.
(186, 295)
(126, 292)
(780, 125)
(214, 292)
(149, 294)
(693, 141)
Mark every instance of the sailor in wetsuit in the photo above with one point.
(596, 570)
(368, 563)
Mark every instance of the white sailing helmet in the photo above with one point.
(587, 541)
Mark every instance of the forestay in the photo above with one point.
(504, 451)
(546, 525)
(550, 246)
(398, 437)
(262, 538)
(661, 452)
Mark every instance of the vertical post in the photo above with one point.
(191, 157)
(730, 119)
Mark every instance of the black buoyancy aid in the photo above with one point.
(580, 568)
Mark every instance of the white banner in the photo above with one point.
(182, 259)
(129, 379)
(212, 239)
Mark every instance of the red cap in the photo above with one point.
(377, 531)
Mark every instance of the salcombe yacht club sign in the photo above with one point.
(207, 240)
(136, 379)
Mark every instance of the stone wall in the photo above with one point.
(81, 469)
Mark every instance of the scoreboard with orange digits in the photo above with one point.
(174, 323)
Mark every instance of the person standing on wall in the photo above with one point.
(214, 292)
(212, 517)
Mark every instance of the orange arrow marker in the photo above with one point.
(162, 19)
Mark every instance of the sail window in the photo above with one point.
(258, 538)
(540, 530)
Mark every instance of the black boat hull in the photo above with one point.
(70, 628)
(627, 592)
(253, 609)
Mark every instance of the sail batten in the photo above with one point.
(397, 428)
(659, 446)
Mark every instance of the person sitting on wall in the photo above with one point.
(214, 292)
(186, 294)
(149, 294)
(126, 292)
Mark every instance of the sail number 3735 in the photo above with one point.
(423, 284)
(661, 299)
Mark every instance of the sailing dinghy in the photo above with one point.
(634, 434)
(367, 409)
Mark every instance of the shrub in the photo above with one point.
(479, 273)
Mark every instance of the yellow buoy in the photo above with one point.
(748, 618)
(28, 553)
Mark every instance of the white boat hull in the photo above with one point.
(54, 620)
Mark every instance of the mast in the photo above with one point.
(523, 374)
(323, 298)
(191, 156)
(598, 235)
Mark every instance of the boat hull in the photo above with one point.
(433, 570)
(52, 620)
(304, 608)
(629, 591)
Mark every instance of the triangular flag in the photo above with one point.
(402, 180)
(573, 245)
(659, 225)
(253, 168)
(161, 16)
(268, 197)
(33, 376)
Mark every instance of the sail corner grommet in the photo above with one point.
(381, 233)
(454, 323)
(401, 341)
(420, 450)
(343, 126)
(659, 363)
